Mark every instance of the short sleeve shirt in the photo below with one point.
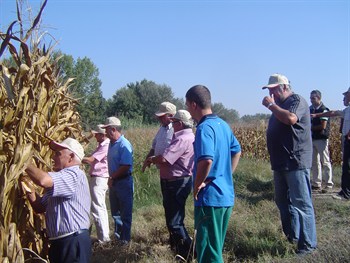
(99, 167)
(67, 202)
(162, 139)
(290, 146)
(179, 155)
(215, 140)
(120, 153)
(346, 121)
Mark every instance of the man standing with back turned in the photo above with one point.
(216, 155)
(290, 148)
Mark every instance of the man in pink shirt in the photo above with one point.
(175, 166)
(98, 183)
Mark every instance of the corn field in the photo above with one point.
(253, 141)
(35, 108)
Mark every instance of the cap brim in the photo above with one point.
(271, 86)
(160, 113)
(95, 132)
(56, 146)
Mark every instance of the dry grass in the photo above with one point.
(254, 233)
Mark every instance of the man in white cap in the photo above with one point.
(344, 193)
(165, 132)
(99, 183)
(121, 184)
(66, 203)
(175, 166)
(290, 148)
(164, 135)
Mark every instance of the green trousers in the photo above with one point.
(211, 226)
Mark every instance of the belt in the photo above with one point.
(76, 233)
(176, 178)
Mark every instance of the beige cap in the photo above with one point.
(111, 121)
(275, 80)
(166, 108)
(70, 144)
(346, 92)
(184, 116)
(99, 129)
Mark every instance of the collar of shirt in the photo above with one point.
(106, 141)
(208, 116)
(183, 131)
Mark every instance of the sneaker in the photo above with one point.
(304, 252)
(339, 197)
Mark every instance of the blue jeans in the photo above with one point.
(121, 201)
(293, 199)
(175, 194)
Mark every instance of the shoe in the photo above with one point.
(324, 190)
(316, 188)
(304, 252)
(340, 197)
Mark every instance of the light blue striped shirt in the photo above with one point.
(67, 202)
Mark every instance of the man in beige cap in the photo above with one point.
(164, 135)
(165, 132)
(344, 193)
(121, 183)
(175, 166)
(66, 203)
(99, 183)
(290, 148)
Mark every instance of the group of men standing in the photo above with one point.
(202, 163)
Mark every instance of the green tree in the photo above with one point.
(228, 115)
(141, 100)
(85, 88)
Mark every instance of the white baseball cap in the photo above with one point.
(275, 80)
(166, 108)
(111, 121)
(99, 129)
(70, 144)
(184, 116)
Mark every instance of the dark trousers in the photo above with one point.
(345, 177)
(74, 248)
(175, 194)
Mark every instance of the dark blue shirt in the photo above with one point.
(290, 146)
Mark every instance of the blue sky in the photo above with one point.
(232, 47)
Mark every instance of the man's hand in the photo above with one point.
(196, 190)
(146, 164)
(110, 182)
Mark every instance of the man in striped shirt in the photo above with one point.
(66, 203)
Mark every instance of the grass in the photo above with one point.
(254, 233)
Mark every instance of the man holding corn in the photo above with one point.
(66, 203)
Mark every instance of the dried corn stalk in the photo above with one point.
(35, 107)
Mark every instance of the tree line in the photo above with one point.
(137, 101)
